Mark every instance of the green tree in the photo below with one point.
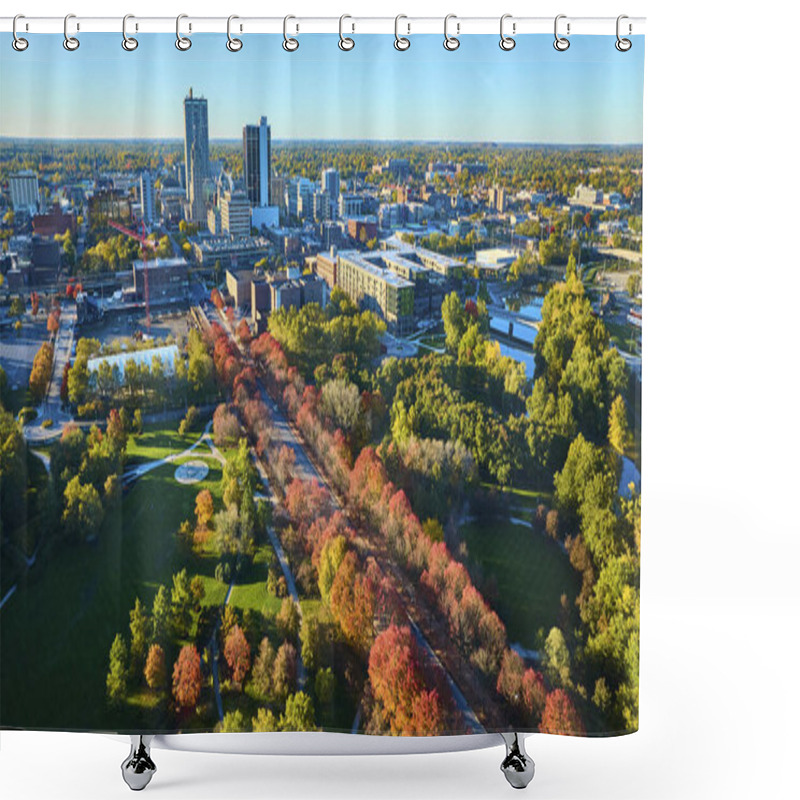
(181, 603)
(298, 714)
(233, 722)
(324, 685)
(618, 425)
(162, 617)
(83, 510)
(265, 721)
(331, 557)
(117, 678)
(557, 660)
(140, 628)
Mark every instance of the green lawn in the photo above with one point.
(156, 442)
(530, 572)
(57, 629)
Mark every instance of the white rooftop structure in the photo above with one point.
(168, 355)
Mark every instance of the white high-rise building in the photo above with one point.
(24, 189)
(147, 197)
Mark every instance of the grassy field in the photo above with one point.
(57, 629)
(156, 442)
(530, 572)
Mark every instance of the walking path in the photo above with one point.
(149, 466)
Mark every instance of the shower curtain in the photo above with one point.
(321, 379)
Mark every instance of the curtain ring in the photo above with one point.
(451, 43)
(233, 44)
(128, 42)
(182, 42)
(70, 42)
(289, 44)
(507, 42)
(400, 42)
(18, 43)
(345, 42)
(623, 45)
(561, 43)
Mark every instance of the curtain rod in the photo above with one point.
(407, 25)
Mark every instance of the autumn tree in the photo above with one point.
(204, 508)
(155, 668)
(284, 671)
(41, 371)
(330, 559)
(233, 722)
(403, 703)
(560, 715)
(237, 654)
(288, 619)
(187, 677)
(557, 658)
(353, 602)
(261, 676)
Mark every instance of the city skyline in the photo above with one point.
(589, 95)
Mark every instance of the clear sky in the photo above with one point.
(589, 94)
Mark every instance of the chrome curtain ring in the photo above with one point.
(451, 43)
(128, 42)
(561, 43)
(181, 42)
(289, 44)
(233, 44)
(401, 42)
(345, 42)
(70, 42)
(18, 43)
(623, 45)
(507, 42)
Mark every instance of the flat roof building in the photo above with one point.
(167, 279)
(375, 288)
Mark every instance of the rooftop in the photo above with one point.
(363, 262)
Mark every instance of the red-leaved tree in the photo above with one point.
(560, 715)
(237, 654)
(187, 677)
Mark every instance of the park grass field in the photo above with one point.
(58, 627)
(156, 442)
(530, 572)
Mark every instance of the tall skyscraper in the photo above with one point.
(147, 196)
(330, 185)
(257, 141)
(195, 152)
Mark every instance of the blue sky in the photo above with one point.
(589, 94)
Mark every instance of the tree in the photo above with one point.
(140, 628)
(197, 588)
(560, 715)
(288, 619)
(557, 658)
(83, 510)
(233, 722)
(634, 284)
(17, 307)
(226, 427)
(155, 668)
(261, 676)
(187, 677)
(204, 508)
(181, 603)
(162, 617)
(298, 714)
(237, 654)
(618, 425)
(117, 678)
(331, 557)
(189, 421)
(41, 371)
(265, 721)
(353, 602)
(455, 321)
(324, 685)
(284, 671)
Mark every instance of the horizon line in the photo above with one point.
(179, 139)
